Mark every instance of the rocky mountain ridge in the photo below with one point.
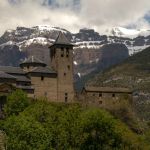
(90, 47)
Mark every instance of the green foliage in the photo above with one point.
(50, 126)
(16, 103)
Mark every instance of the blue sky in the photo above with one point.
(75, 14)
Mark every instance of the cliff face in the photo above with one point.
(89, 60)
(10, 55)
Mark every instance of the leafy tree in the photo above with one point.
(26, 133)
(16, 103)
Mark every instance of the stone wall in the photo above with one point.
(65, 76)
(106, 100)
(45, 88)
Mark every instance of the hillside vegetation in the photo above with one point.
(39, 125)
(134, 73)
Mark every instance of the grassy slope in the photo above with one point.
(133, 73)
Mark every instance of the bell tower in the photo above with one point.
(61, 53)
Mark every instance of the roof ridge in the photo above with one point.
(6, 75)
(62, 39)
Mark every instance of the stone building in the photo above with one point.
(105, 97)
(54, 82)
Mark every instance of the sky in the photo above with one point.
(75, 14)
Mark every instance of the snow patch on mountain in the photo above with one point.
(7, 43)
(89, 44)
(128, 33)
(135, 49)
(49, 28)
(75, 63)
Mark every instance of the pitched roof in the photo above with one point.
(47, 70)
(62, 39)
(4, 75)
(22, 78)
(107, 89)
(32, 60)
(11, 70)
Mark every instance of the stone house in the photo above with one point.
(105, 97)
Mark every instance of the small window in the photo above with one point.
(45, 94)
(100, 94)
(28, 67)
(68, 67)
(100, 102)
(66, 97)
(93, 94)
(42, 78)
(113, 95)
(67, 52)
(62, 52)
(64, 74)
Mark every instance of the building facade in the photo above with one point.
(105, 97)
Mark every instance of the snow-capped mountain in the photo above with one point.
(127, 33)
(91, 48)
(88, 38)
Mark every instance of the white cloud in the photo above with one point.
(98, 14)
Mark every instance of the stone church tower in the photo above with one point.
(61, 53)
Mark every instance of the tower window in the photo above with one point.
(100, 94)
(67, 52)
(66, 97)
(100, 102)
(113, 95)
(45, 94)
(68, 67)
(42, 78)
(62, 52)
(64, 74)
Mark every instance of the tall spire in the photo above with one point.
(62, 39)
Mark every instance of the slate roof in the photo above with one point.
(62, 40)
(4, 75)
(46, 70)
(32, 60)
(22, 78)
(11, 70)
(107, 89)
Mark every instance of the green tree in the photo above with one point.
(16, 103)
